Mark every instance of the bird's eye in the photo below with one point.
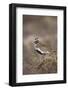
(36, 42)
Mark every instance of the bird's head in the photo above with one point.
(36, 38)
(36, 41)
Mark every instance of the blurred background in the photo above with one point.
(45, 28)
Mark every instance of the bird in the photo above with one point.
(41, 53)
(38, 49)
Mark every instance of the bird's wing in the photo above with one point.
(43, 52)
(38, 49)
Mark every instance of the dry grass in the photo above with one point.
(42, 64)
